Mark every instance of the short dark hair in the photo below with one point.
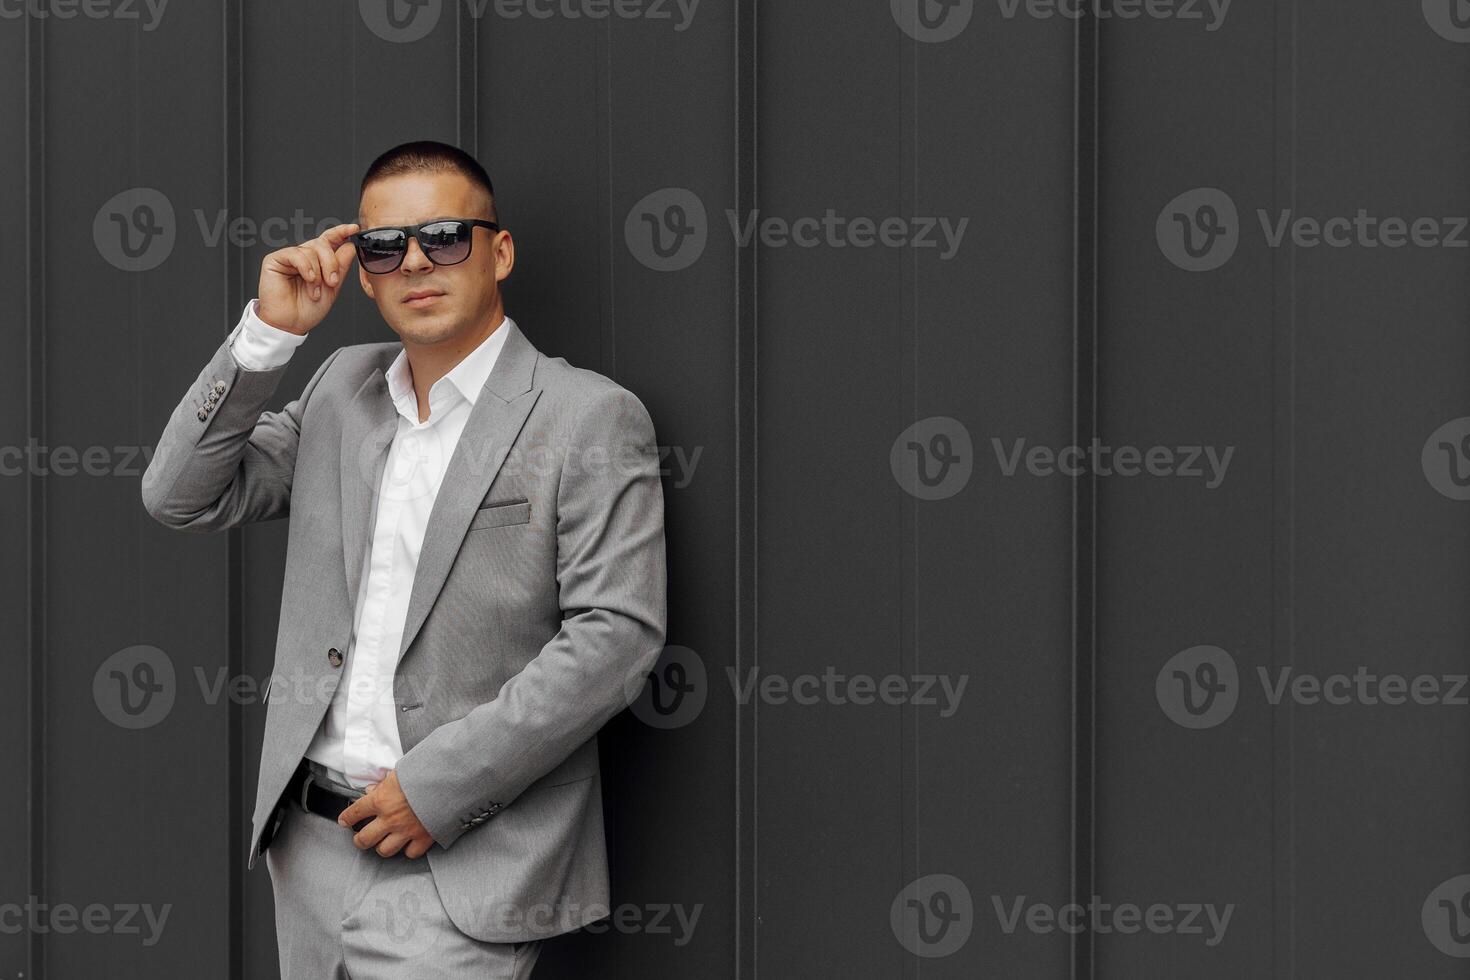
(431, 156)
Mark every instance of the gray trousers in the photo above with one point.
(345, 914)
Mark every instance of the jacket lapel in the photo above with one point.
(368, 427)
(494, 422)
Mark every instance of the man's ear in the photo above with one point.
(505, 256)
(365, 281)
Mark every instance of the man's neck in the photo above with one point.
(427, 363)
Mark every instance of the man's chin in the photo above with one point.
(424, 329)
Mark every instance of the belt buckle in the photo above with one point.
(306, 785)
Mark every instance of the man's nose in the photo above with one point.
(414, 260)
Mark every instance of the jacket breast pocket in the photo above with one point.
(501, 515)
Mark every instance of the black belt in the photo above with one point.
(307, 792)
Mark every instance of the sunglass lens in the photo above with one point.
(445, 242)
(381, 251)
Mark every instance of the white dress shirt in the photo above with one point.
(358, 738)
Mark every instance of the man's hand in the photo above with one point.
(396, 824)
(299, 284)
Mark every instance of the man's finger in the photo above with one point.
(345, 256)
(370, 835)
(326, 260)
(391, 845)
(289, 261)
(358, 810)
(337, 234)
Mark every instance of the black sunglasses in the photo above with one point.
(445, 241)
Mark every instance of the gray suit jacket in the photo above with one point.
(537, 607)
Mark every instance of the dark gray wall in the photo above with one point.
(788, 376)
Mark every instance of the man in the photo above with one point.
(474, 576)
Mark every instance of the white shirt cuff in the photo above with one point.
(258, 346)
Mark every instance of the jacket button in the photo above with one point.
(334, 657)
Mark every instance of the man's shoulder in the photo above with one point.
(362, 359)
(577, 392)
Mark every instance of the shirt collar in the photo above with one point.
(466, 379)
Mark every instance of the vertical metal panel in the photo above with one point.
(1380, 560)
(1185, 359)
(22, 542)
(1326, 549)
(746, 593)
(856, 345)
(117, 348)
(832, 834)
(1085, 295)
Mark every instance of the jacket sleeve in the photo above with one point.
(221, 461)
(611, 586)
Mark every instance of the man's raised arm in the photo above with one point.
(221, 461)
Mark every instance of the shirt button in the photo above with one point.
(334, 657)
